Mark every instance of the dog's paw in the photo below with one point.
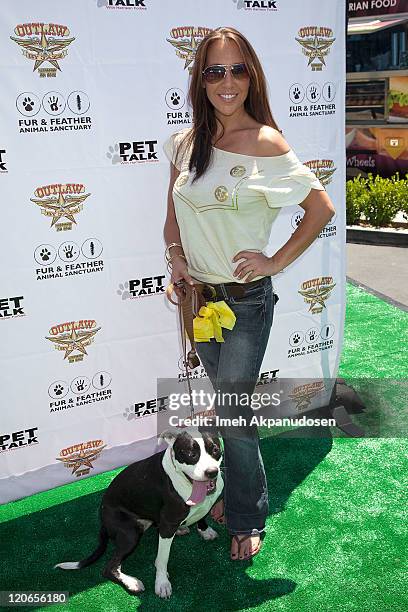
(134, 586)
(162, 587)
(182, 530)
(208, 534)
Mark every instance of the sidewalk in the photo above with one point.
(382, 269)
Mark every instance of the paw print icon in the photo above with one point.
(45, 254)
(175, 98)
(296, 93)
(296, 218)
(296, 339)
(129, 414)
(58, 389)
(28, 104)
(123, 290)
(113, 154)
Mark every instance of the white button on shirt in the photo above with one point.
(233, 206)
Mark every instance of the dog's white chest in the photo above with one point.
(200, 510)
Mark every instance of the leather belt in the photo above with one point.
(234, 289)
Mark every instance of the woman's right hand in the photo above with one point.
(179, 272)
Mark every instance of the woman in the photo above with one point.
(230, 175)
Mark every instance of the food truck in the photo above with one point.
(377, 88)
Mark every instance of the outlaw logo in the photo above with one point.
(323, 169)
(316, 291)
(73, 337)
(80, 457)
(303, 394)
(185, 40)
(43, 42)
(61, 202)
(315, 43)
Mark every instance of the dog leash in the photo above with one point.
(188, 307)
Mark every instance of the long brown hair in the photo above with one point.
(204, 126)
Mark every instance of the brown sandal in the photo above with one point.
(240, 539)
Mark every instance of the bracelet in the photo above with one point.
(167, 252)
(169, 264)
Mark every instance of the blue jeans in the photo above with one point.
(233, 366)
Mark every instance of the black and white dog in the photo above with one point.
(172, 489)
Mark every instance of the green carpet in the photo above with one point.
(336, 537)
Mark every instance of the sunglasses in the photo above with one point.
(217, 72)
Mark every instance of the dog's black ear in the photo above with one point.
(169, 435)
(210, 425)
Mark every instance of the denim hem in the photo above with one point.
(245, 523)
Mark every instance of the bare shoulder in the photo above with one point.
(271, 142)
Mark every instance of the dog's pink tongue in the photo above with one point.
(198, 493)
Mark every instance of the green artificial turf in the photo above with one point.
(336, 538)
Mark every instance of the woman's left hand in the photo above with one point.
(254, 264)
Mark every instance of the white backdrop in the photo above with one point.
(90, 91)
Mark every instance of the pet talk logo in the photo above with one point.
(122, 4)
(314, 340)
(141, 287)
(136, 152)
(185, 40)
(11, 307)
(256, 5)
(265, 378)
(145, 409)
(3, 167)
(18, 439)
(303, 395)
(43, 42)
(73, 337)
(80, 457)
(316, 43)
(61, 201)
(316, 291)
